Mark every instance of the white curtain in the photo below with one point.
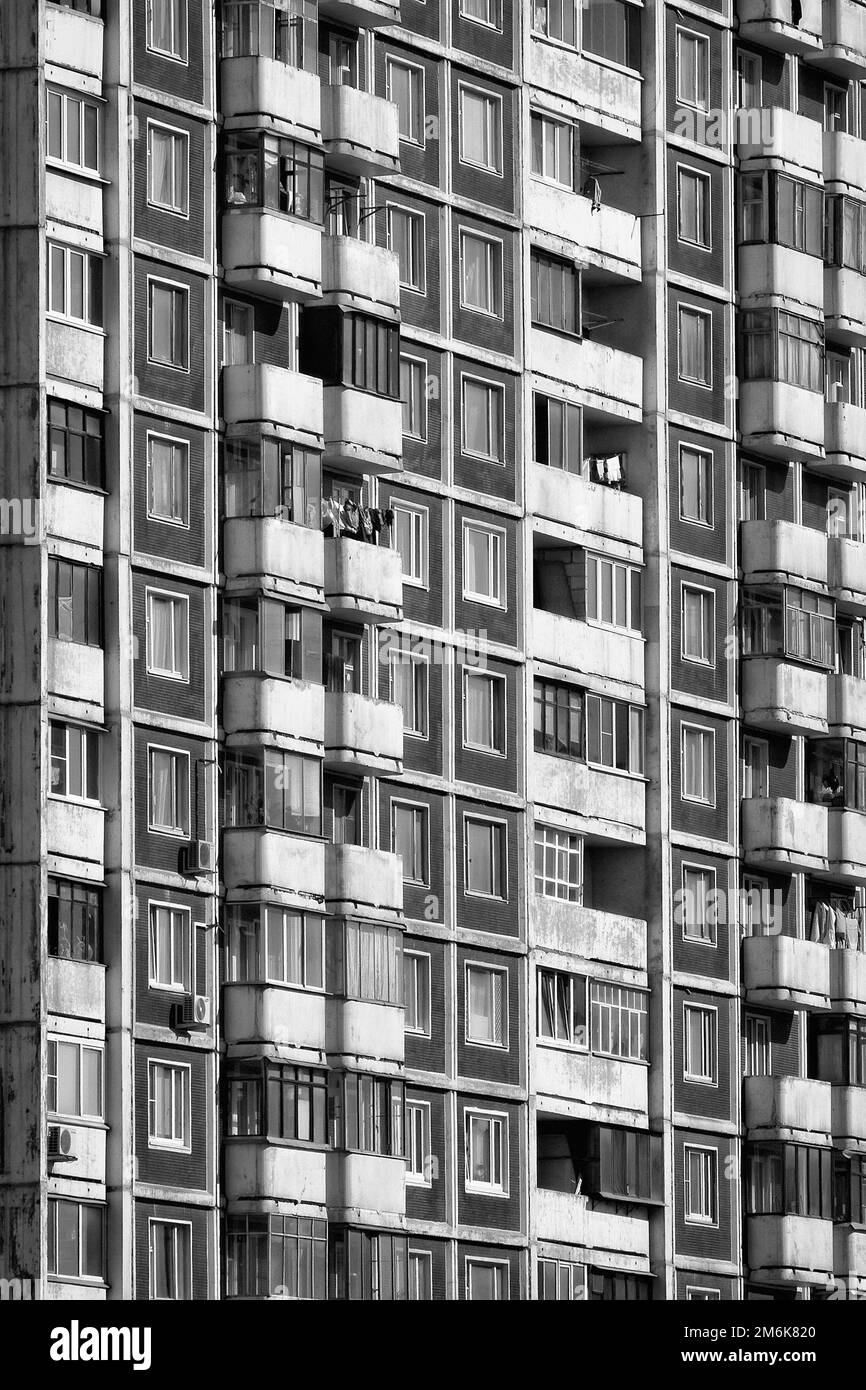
(162, 634)
(161, 770)
(162, 167)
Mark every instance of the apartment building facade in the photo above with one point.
(433, 710)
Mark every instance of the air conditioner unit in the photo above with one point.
(198, 858)
(60, 1145)
(194, 1014)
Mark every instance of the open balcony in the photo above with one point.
(365, 1183)
(284, 558)
(847, 565)
(848, 706)
(770, 24)
(609, 239)
(771, 132)
(356, 1028)
(844, 51)
(76, 672)
(269, 94)
(847, 844)
(606, 1089)
(789, 1249)
(781, 421)
(363, 582)
(779, 552)
(257, 858)
(75, 988)
(291, 710)
(74, 201)
(593, 509)
(849, 1118)
(574, 930)
(849, 1256)
(587, 648)
(360, 133)
(787, 1107)
(783, 697)
(364, 881)
(363, 432)
(361, 276)
(259, 395)
(569, 1218)
(611, 381)
(611, 805)
(609, 99)
(843, 161)
(75, 353)
(259, 1169)
(74, 40)
(74, 514)
(87, 1153)
(263, 1013)
(766, 268)
(73, 831)
(844, 441)
(266, 254)
(363, 736)
(848, 982)
(845, 305)
(785, 972)
(779, 832)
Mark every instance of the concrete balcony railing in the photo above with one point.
(848, 706)
(779, 831)
(784, 972)
(570, 1218)
(362, 735)
(360, 275)
(782, 697)
(362, 14)
(611, 381)
(75, 353)
(769, 269)
(356, 1028)
(843, 161)
(366, 1183)
(588, 649)
(789, 1249)
(74, 40)
(781, 421)
(849, 1117)
(360, 132)
(770, 23)
(844, 440)
(290, 709)
(262, 395)
(363, 432)
(848, 982)
(75, 988)
(844, 51)
(74, 831)
(290, 559)
(363, 582)
(365, 881)
(60, 1289)
(606, 1089)
(76, 672)
(74, 514)
(263, 1013)
(255, 857)
(849, 1258)
(845, 304)
(610, 804)
(263, 92)
(591, 508)
(847, 844)
(774, 133)
(609, 100)
(87, 1153)
(609, 239)
(74, 201)
(574, 930)
(787, 1108)
(257, 1168)
(266, 254)
(778, 552)
(847, 565)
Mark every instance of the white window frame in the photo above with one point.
(180, 755)
(558, 178)
(419, 364)
(181, 137)
(418, 575)
(419, 956)
(183, 915)
(493, 8)
(501, 837)
(414, 1176)
(750, 741)
(701, 73)
(498, 1120)
(85, 732)
(698, 1219)
(421, 1259)
(501, 972)
(699, 1291)
(176, 1226)
(492, 141)
(706, 871)
(416, 116)
(546, 829)
(705, 181)
(761, 1023)
(400, 656)
(182, 1075)
(184, 292)
(707, 732)
(633, 621)
(707, 656)
(709, 1044)
(55, 1275)
(181, 53)
(180, 448)
(398, 802)
(495, 422)
(88, 259)
(80, 1116)
(706, 315)
(502, 1265)
(495, 682)
(495, 273)
(497, 551)
(180, 634)
(81, 100)
(579, 1039)
(246, 311)
(706, 456)
(417, 244)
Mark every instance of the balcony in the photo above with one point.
(569, 1218)
(75, 832)
(844, 441)
(609, 100)
(362, 735)
(611, 805)
(782, 697)
(88, 1149)
(845, 305)
(847, 845)
(75, 988)
(358, 1029)
(261, 1013)
(843, 161)
(76, 672)
(849, 1255)
(769, 269)
(786, 972)
(844, 51)
(606, 1089)
(610, 381)
(73, 201)
(263, 859)
(770, 132)
(593, 509)
(787, 1107)
(365, 1183)
(781, 421)
(75, 353)
(848, 982)
(260, 1169)
(779, 832)
(770, 23)
(363, 582)
(74, 40)
(587, 649)
(277, 257)
(265, 93)
(365, 882)
(574, 930)
(75, 514)
(291, 710)
(284, 558)
(609, 239)
(261, 395)
(847, 565)
(360, 133)
(363, 432)
(789, 1249)
(360, 276)
(364, 14)
(849, 1117)
(779, 552)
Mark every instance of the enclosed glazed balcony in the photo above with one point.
(845, 304)
(258, 1168)
(765, 268)
(266, 254)
(366, 1182)
(261, 395)
(364, 882)
(265, 1013)
(609, 239)
(771, 24)
(774, 552)
(781, 696)
(569, 1218)
(360, 133)
(849, 1118)
(598, 1088)
(263, 92)
(781, 832)
(75, 988)
(771, 132)
(363, 14)
(363, 432)
(575, 930)
(787, 1107)
(363, 735)
(287, 559)
(847, 564)
(844, 51)
(587, 648)
(611, 804)
(75, 353)
(360, 275)
(76, 672)
(591, 508)
(363, 582)
(843, 161)
(785, 972)
(608, 98)
(356, 1028)
(781, 421)
(789, 1249)
(844, 440)
(74, 39)
(292, 710)
(848, 982)
(255, 857)
(610, 380)
(74, 831)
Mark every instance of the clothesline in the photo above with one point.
(833, 927)
(348, 518)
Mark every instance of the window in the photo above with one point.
(406, 237)
(404, 85)
(273, 477)
(700, 1032)
(167, 28)
(556, 19)
(483, 712)
(371, 355)
(562, 1280)
(758, 1046)
(342, 59)
(367, 1266)
(74, 1080)
(783, 1179)
(556, 433)
(168, 791)
(484, 857)
(699, 620)
(613, 593)
(562, 1007)
(483, 564)
(611, 29)
(168, 168)
(776, 208)
(167, 635)
(368, 1113)
(279, 1101)
(238, 334)
(552, 150)
(170, 953)
(74, 602)
(481, 274)
(605, 1286)
(413, 394)
(273, 788)
(558, 719)
(618, 1018)
(76, 1239)
(756, 767)
(693, 69)
(73, 130)
(486, 1137)
(480, 129)
(697, 913)
(170, 1259)
(277, 29)
(614, 734)
(168, 325)
(410, 676)
(276, 1255)
(410, 536)
(482, 418)
(74, 920)
(693, 207)
(558, 863)
(76, 444)
(759, 907)
(698, 752)
(416, 993)
(75, 284)
(487, 1281)
(696, 1292)
(486, 1006)
(286, 176)
(420, 1275)
(418, 1167)
(554, 290)
(701, 1174)
(696, 485)
(263, 634)
(410, 838)
(846, 233)
(365, 959)
(483, 12)
(753, 490)
(168, 480)
(778, 346)
(748, 83)
(74, 761)
(694, 345)
(168, 1106)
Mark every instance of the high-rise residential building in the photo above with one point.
(432, 651)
